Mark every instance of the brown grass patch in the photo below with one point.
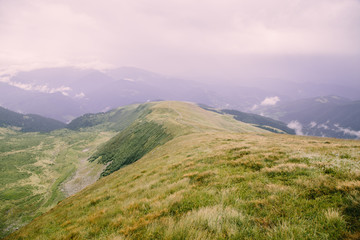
(285, 167)
(348, 186)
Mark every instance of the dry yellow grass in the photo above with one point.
(217, 182)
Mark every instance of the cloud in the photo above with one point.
(297, 126)
(179, 34)
(312, 124)
(37, 88)
(348, 131)
(270, 101)
(80, 95)
(254, 107)
(324, 126)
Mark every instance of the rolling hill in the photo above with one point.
(254, 119)
(40, 169)
(180, 172)
(28, 122)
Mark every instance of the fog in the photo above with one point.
(228, 41)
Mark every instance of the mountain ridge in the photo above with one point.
(40, 169)
(28, 122)
(78, 91)
(215, 178)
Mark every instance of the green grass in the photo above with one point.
(130, 145)
(219, 179)
(33, 168)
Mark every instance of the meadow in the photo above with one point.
(34, 167)
(216, 179)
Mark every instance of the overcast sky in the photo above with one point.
(236, 40)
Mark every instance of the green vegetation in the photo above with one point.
(259, 121)
(130, 145)
(216, 178)
(29, 122)
(117, 119)
(34, 167)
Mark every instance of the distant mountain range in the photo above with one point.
(28, 122)
(329, 116)
(66, 93)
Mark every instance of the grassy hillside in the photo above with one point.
(29, 122)
(216, 178)
(35, 167)
(38, 170)
(116, 119)
(260, 121)
(256, 120)
(146, 126)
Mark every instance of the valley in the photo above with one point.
(177, 120)
(177, 171)
(34, 167)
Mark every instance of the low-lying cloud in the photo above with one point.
(348, 131)
(37, 88)
(297, 126)
(270, 101)
(246, 39)
(312, 124)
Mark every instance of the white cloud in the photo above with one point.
(254, 107)
(106, 109)
(312, 124)
(80, 95)
(270, 101)
(129, 79)
(135, 32)
(324, 126)
(348, 131)
(5, 79)
(297, 126)
(37, 88)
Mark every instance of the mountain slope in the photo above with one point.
(29, 122)
(329, 116)
(156, 123)
(38, 169)
(78, 91)
(216, 178)
(254, 119)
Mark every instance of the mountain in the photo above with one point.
(28, 122)
(39, 170)
(329, 116)
(53, 105)
(177, 171)
(76, 91)
(80, 91)
(290, 90)
(255, 119)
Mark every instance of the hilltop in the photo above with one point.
(180, 172)
(40, 169)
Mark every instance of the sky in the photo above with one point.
(205, 40)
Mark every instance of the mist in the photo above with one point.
(229, 42)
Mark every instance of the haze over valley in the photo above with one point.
(179, 119)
